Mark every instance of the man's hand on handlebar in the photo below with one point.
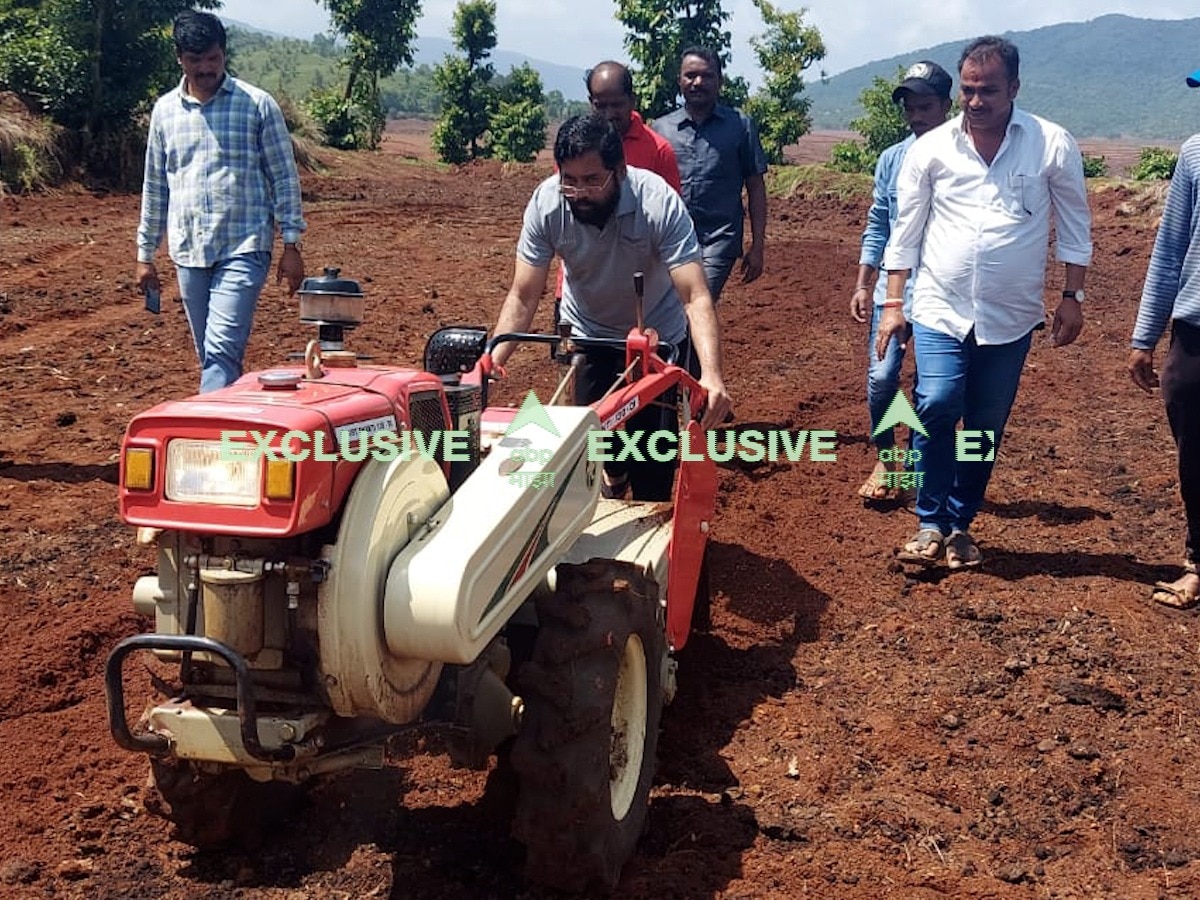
(492, 369)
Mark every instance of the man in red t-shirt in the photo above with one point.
(610, 90)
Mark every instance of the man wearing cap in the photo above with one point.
(924, 97)
(1171, 296)
(975, 201)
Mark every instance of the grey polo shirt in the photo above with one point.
(715, 159)
(650, 232)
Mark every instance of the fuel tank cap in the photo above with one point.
(280, 381)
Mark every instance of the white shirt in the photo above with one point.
(980, 232)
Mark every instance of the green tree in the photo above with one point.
(881, 125)
(468, 98)
(558, 108)
(784, 51)
(657, 31)
(519, 124)
(379, 36)
(851, 156)
(89, 65)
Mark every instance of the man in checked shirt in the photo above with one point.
(220, 176)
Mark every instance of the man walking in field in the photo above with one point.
(220, 178)
(976, 198)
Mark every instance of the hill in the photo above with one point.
(568, 80)
(279, 63)
(1113, 77)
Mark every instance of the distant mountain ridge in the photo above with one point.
(1114, 76)
(555, 77)
(431, 50)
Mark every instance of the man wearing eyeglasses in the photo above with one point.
(607, 221)
(610, 93)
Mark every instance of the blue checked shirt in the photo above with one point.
(1172, 289)
(219, 176)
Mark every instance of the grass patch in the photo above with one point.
(29, 148)
(817, 180)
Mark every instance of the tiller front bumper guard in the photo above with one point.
(156, 744)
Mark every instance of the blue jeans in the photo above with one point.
(716, 273)
(220, 302)
(883, 380)
(959, 380)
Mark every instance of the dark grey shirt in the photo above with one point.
(649, 232)
(715, 159)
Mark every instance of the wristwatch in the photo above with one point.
(299, 247)
(1077, 296)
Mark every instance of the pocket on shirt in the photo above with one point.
(1027, 195)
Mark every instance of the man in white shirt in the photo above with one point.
(975, 200)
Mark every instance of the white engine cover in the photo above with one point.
(388, 503)
(453, 587)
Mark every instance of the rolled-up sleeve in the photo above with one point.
(875, 235)
(1068, 195)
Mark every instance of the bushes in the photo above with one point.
(1094, 166)
(354, 124)
(851, 156)
(29, 148)
(1154, 164)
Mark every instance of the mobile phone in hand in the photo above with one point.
(153, 300)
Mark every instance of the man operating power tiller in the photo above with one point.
(607, 222)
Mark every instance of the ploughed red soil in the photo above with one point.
(1028, 730)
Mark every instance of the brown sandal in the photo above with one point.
(962, 552)
(917, 550)
(1174, 596)
(876, 491)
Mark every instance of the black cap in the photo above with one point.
(924, 77)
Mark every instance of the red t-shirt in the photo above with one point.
(647, 149)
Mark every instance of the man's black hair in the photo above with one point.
(626, 76)
(196, 32)
(586, 133)
(989, 46)
(707, 54)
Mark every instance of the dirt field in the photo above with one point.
(1025, 731)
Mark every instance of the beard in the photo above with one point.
(590, 213)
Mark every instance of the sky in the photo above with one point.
(583, 32)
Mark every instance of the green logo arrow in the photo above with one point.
(899, 412)
(531, 413)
